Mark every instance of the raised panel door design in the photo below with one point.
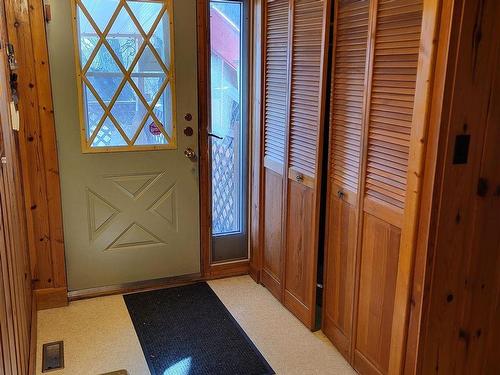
(128, 216)
(300, 256)
(272, 273)
(377, 285)
(339, 274)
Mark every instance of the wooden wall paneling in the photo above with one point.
(19, 30)
(481, 310)
(16, 308)
(443, 77)
(462, 290)
(274, 129)
(7, 340)
(348, 92)
(26, 31)
(10, 363)
(309, 46)
(49, 146)
(416, 160)
(14, 287)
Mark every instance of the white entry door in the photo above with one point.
(124, 80)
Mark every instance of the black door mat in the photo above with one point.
(188, 331)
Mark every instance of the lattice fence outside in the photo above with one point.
(225, 186)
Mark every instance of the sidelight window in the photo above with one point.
(229, 128)
(125, 74)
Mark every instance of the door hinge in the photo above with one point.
(47, 11)
(11, 57)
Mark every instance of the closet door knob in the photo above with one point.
(341, 194)
(299, 177)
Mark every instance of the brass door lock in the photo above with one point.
(190, 154)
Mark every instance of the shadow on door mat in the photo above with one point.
(188, 330)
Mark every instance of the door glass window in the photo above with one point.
(126, 78)
(226, 111)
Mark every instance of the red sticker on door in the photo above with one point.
(154, 129)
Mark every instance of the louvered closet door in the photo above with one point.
(346, 128)
(394, 75)
(275, 121)
(309, 35)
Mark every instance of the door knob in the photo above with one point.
(190, 154)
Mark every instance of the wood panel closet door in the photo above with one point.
(375, 64)
(307, 97)
(296, 39)
(347, 108)
(275, 124)
(391, 101)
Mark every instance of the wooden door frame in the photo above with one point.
(209, 269)
(38, 151)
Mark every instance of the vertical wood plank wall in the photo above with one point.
(40, 172)
(295, 55)
(17, 326)
(461, 293)
(382, 72)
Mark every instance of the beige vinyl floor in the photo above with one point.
(99, 336)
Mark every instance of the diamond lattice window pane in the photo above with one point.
(148, 63)
(161, 39)
(129, 111)
(88, 37)
(124, 38)
(149, 86)
(101, 11)
(163, 109)
(104, 74)
(146, 13)
(103, 62)
(124, 48)
(108, 136)
(106, 85)
(93, 111)
(151, 134)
